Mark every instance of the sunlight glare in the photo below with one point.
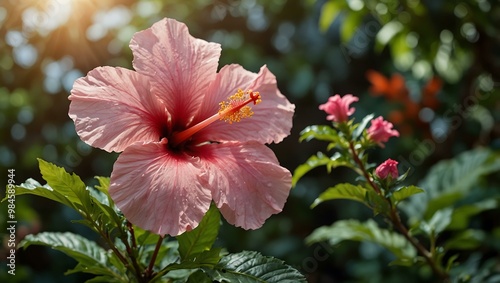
(44, 17)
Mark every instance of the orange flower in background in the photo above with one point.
(394, 89)
(430, 91)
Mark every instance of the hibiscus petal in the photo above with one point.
(113, 108)
(180, 66)
(248, 184)
(159, 191)
(272, 119)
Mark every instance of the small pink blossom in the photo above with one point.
(174, 118)
(380, 131)
(338, 107)
(386, 169)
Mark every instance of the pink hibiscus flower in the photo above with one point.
(338, 107)
(174, 120)
(380, 131)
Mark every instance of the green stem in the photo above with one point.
(130, 250)
(106, 237)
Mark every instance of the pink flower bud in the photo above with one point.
(388, 168)
(338, 107)
(380, 131)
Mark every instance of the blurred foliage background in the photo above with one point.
(430, 67)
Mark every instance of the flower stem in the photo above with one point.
(396, 221)
(438, 270)
(130, 250)
(148, 273)
(363, 169)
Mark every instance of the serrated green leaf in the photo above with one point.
(103, 187)
(361, 126)
(103, 184)
(68, 189)
(202, 237)
(91, 257)
(406, 192)
(314, 161)
(32, 187)
(69, 185)
(329, 13)
(252, 267)
(319, 132)
(342, 191)
(368, 231)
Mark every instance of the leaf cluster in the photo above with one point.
(129, 252)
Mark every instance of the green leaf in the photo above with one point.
(451, 180)
(199, 277)
(342, 191)
(69, 185)
(350, 24)
(461, 215)
(103, 187)
(319, 132)
(361, 126)
(438, 223)
(314, 161)
(91, 258)
(205, 259)
(249, 267)
(386, 33)
(368, 231)
(466, 240)
(202, 237)
(329, 13)
(34, 188)
(406, 192)
(378, 203)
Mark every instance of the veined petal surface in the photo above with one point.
(180, 66)
(248, 184)
(112, 108)
(272, 119)
(159, 191)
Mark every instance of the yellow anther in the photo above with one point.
(236, 108)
